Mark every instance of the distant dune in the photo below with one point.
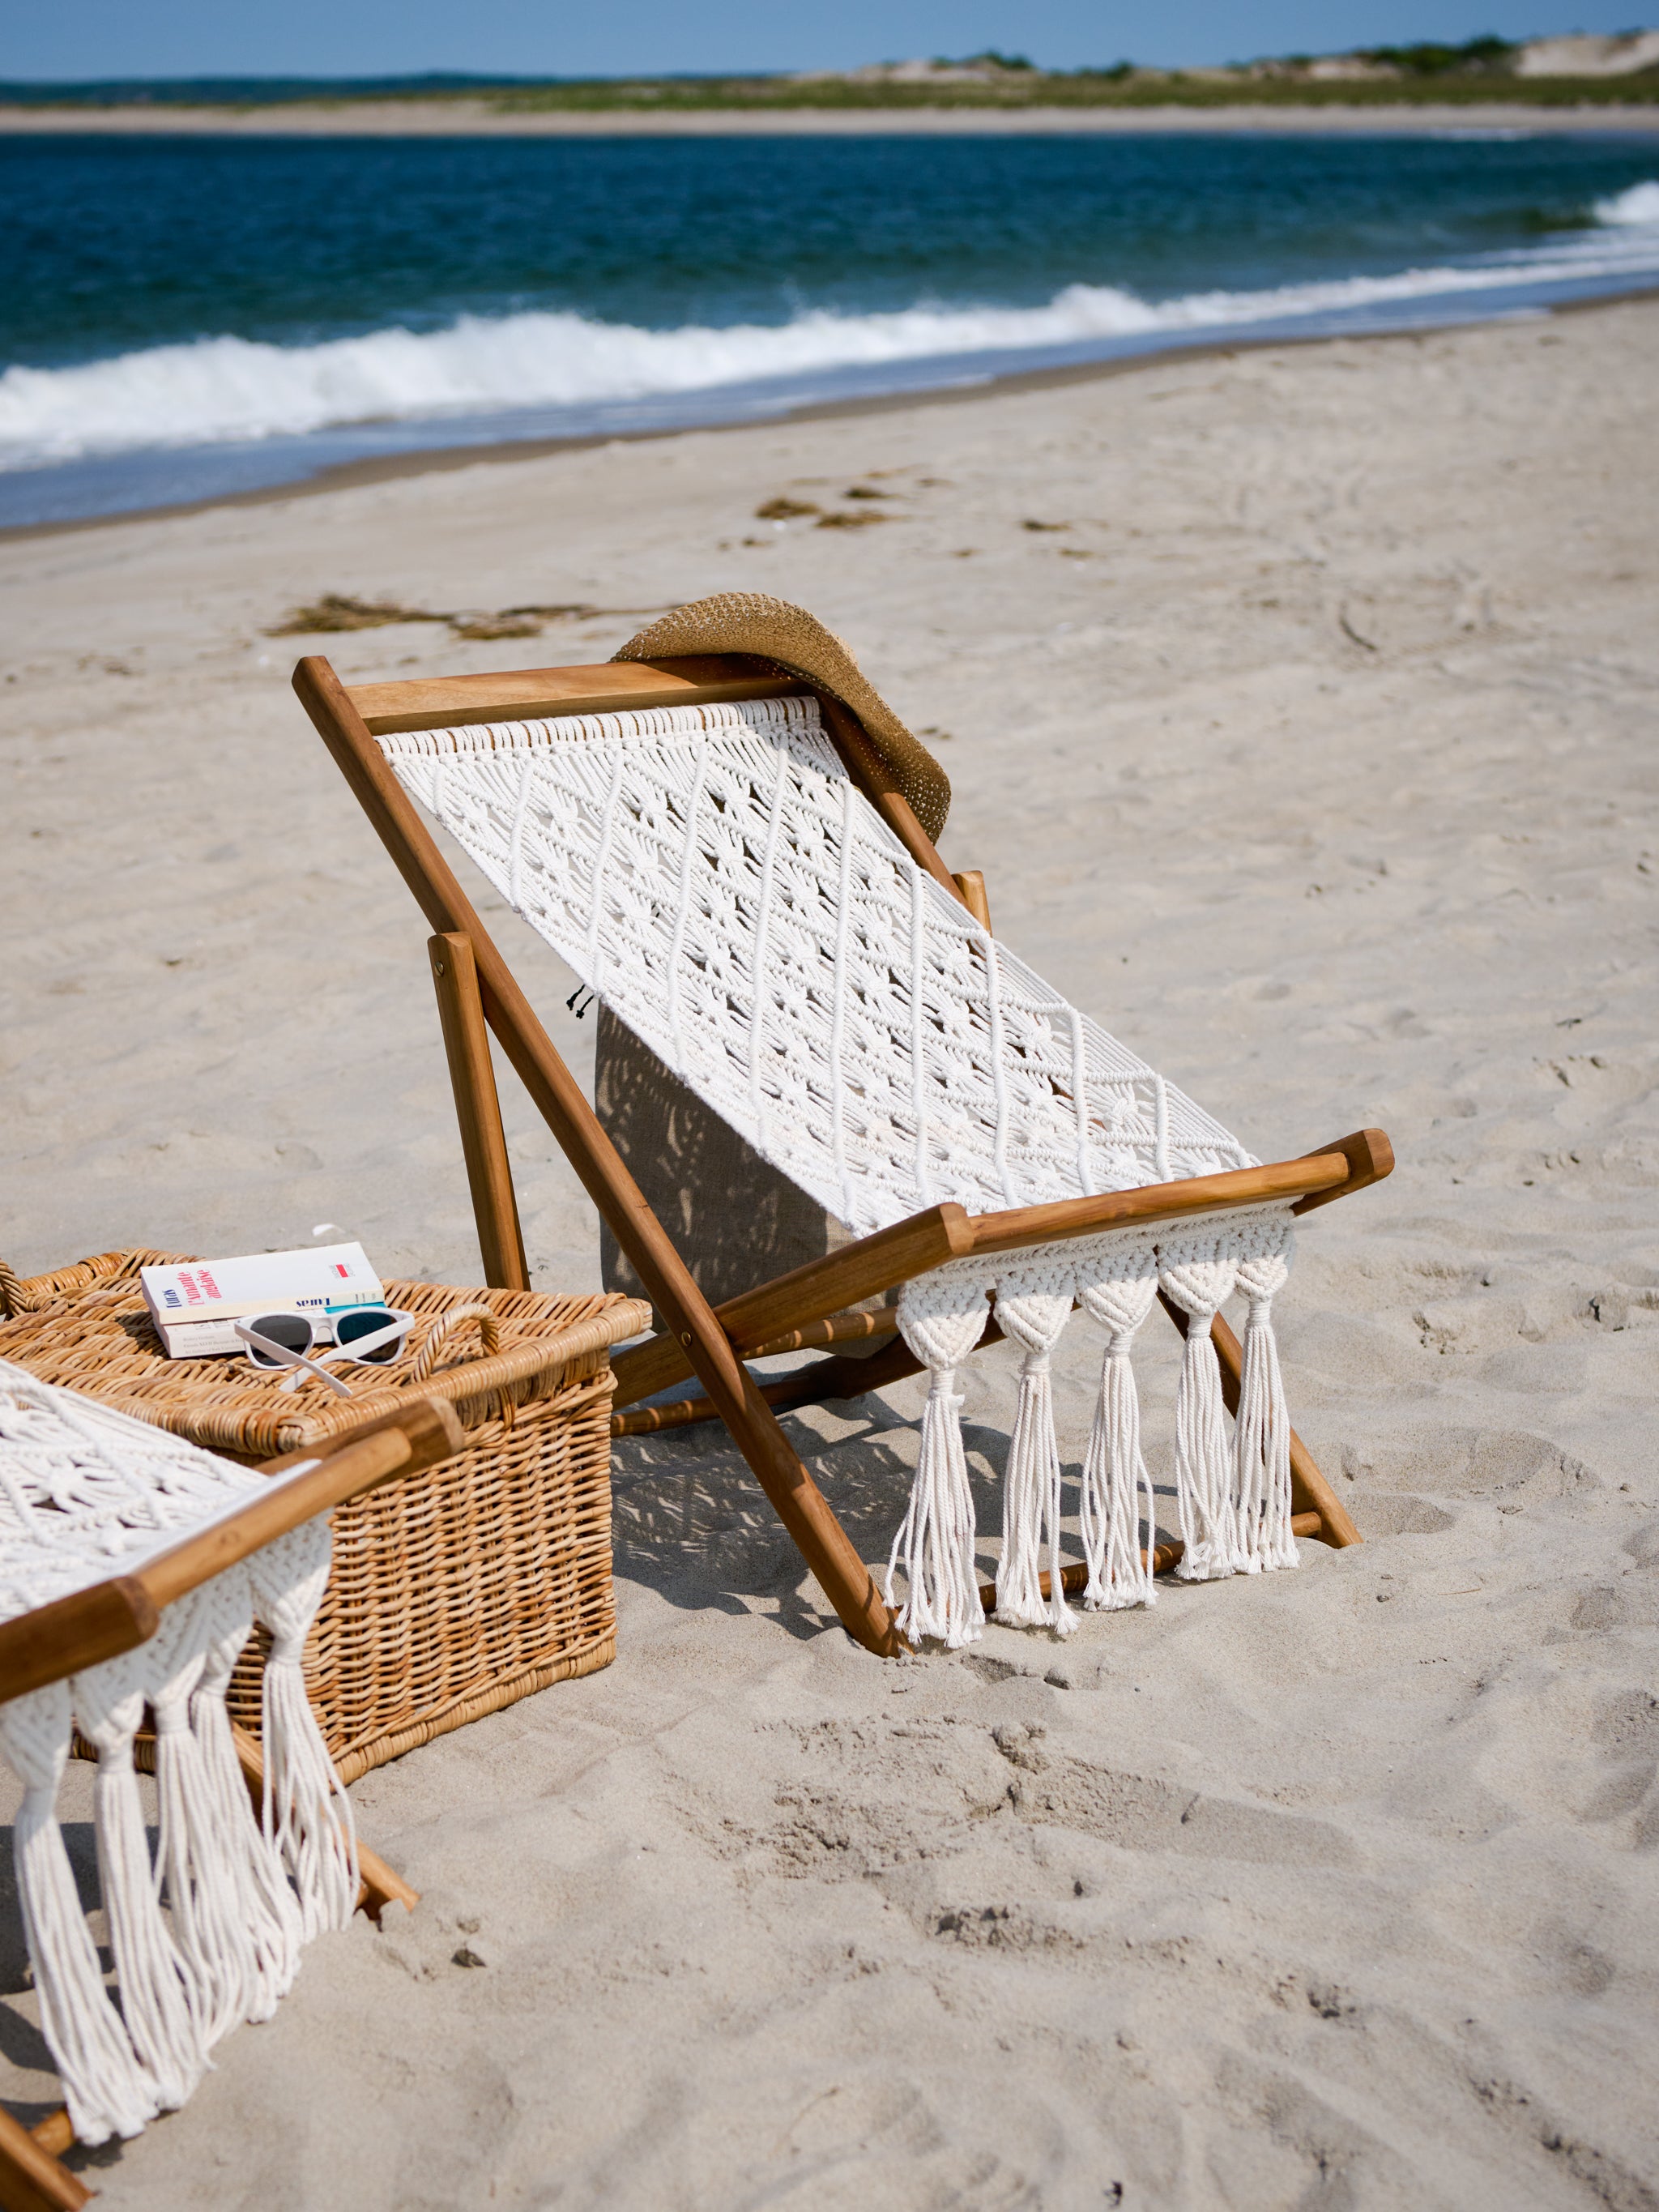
(1429, 82)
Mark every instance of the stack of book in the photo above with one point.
(196, 1306)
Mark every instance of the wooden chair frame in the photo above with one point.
(810, 1306)
(109, 1617)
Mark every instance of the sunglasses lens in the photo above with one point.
(351, 1328)
(291, 1331)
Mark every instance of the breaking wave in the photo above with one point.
(1637, 206)
(216, 390)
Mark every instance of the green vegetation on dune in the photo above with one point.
(1114, 88)
(1475, 57)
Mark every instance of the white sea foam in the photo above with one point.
(1638, 206)
(221, 389)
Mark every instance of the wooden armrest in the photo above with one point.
(1370, 1157)
(108, 1617)
(1327, 1174)
(891, 1256)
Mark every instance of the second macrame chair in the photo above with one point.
(734, 851)
(133, 1566)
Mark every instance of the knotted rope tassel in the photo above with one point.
(308, 1815)
(210, 1929)
(109, 1705)
(1032, 1488)
(266, 1901)
(103, 2086)
(1262, 1440)
(1115, 1477)
(1199, 1276)
(941, 1323)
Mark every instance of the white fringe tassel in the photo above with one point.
(1232, 1496)
(937, 1535)
(1261, 1439)
(1115, 1477)
(153, 1982)
(210, 1931)
(266, 1900)
(307, 1814)
(1199, 1276)
(1032, 1488)
(85, 1489)
(104, 2086)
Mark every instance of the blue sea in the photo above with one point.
(183, 316)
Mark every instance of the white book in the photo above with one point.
(195, 1305)
(198, 1340)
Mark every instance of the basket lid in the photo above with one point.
(86, 1327)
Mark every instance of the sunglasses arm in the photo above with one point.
(302, 1360)
(359, 1348)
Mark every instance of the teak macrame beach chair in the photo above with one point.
(734, 850)
(150, 1559)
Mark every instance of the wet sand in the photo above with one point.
(476, 118)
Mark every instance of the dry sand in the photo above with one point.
(1315, 755)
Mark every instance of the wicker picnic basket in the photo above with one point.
(452, 1592)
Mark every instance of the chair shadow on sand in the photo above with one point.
(690, 1521)
(21, 2044)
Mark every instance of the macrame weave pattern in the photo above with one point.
(87, 1493)
(713, 874)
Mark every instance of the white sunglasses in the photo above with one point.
(366, 1336)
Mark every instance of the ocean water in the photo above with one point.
(181, 317)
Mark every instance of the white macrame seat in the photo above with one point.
(88, 1493)
(715, 877)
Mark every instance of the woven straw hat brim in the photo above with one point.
(773, 630)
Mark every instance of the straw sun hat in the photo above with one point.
(789, 638)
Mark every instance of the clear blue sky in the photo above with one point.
(353, 38)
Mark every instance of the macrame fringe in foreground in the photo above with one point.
(87, 1493)
(1232, 1506)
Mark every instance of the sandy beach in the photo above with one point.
(1299, 708)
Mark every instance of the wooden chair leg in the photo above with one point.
(378, 1886)
(1310, 1491)
(478, 1110)
(971, 884)
(843, 1576)
(31, 2178)
(687, 1317)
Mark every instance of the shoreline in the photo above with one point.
(445, 461)
(473, 119)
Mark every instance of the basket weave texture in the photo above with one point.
(453, 1591)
